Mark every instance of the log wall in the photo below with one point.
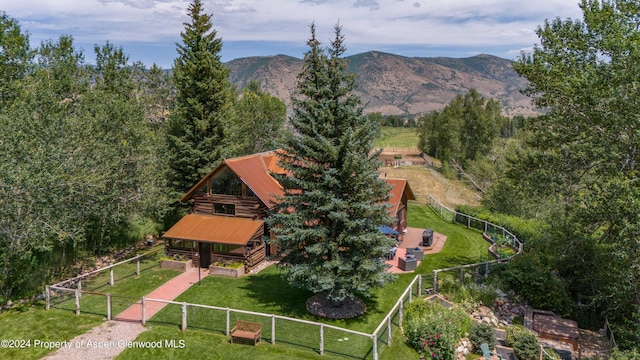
(247, 207)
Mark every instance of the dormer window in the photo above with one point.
(224, 209)
(226, 182)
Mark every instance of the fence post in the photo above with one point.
(80, 287)
(108, 306)
(486, 271)
(144, 311)
(273, 329)
(321, 339)
(138, 266)
(435, 281)
(77, 302)
(184, 316)
(47, 296)
(468, 222)
(111, 276)
(375, 347)
(400, 313)
(420, 285)
(389, 330)
(228, 320)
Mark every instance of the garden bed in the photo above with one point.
(233, 270)
(180, 265)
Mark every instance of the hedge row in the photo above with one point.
(526, 230)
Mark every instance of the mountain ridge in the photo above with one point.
(398, 85)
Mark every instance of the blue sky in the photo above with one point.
(148, 30)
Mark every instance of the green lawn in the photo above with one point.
(128, 287)
(35, 323)
(61, 323)
(206, 345)
(397, 137)
(267, 292)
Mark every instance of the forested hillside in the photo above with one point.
(399, 85)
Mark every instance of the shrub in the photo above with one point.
(625, 355)
(527, 230)
(470, 295)
(481, 333)
(524, 342)
(434, 330)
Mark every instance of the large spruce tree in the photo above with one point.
(203, 103)
(327, 222)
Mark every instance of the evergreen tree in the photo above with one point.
(203, 103)
(327, 221)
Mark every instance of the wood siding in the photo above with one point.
(246, 207)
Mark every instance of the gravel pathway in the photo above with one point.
(102, 342)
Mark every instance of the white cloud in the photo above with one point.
(479, 23)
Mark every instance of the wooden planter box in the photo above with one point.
(226, 271)
(180, 265)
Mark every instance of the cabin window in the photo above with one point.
(225, 182)
(224, 209)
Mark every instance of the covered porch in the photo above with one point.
(213, 238)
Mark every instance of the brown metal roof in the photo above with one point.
(253, 171)
(214, 229)
(398, 187)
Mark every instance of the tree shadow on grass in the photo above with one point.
(271, 289)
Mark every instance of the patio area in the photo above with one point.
(411, 240)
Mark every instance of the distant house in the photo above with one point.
(229, 208)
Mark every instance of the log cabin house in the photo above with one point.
(229, 208)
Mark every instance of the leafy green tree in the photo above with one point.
(259, 124)
(203, 103)
(77, 163)
(584, 153)
(464, 130)
(15, 58)
(327, 222)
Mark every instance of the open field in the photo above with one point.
(424, 181)
(395, 137)
(428, 181)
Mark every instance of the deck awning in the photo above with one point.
(214, 229)
(387, 230)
